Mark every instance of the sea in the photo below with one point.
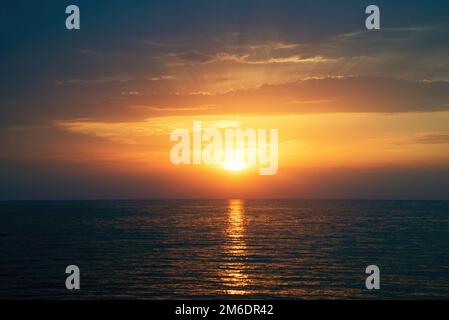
(224, 249)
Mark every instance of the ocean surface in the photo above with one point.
(208, 249)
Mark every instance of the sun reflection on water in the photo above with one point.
(233, 273)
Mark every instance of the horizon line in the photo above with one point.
(219, 199)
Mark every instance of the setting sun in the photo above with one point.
(235, 165)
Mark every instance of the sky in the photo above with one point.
(87, 114)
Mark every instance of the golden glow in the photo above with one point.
(381, 139)
(234, 276)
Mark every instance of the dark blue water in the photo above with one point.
(224, 249)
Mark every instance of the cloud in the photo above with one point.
(248, 53)
(175, 109)
(248, 59)
(314, 95)
(434, 138)
(221, 48)
(114, 79)
(398, 30)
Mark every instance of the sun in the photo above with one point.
(234, 165)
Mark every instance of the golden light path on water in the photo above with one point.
(235, 249)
